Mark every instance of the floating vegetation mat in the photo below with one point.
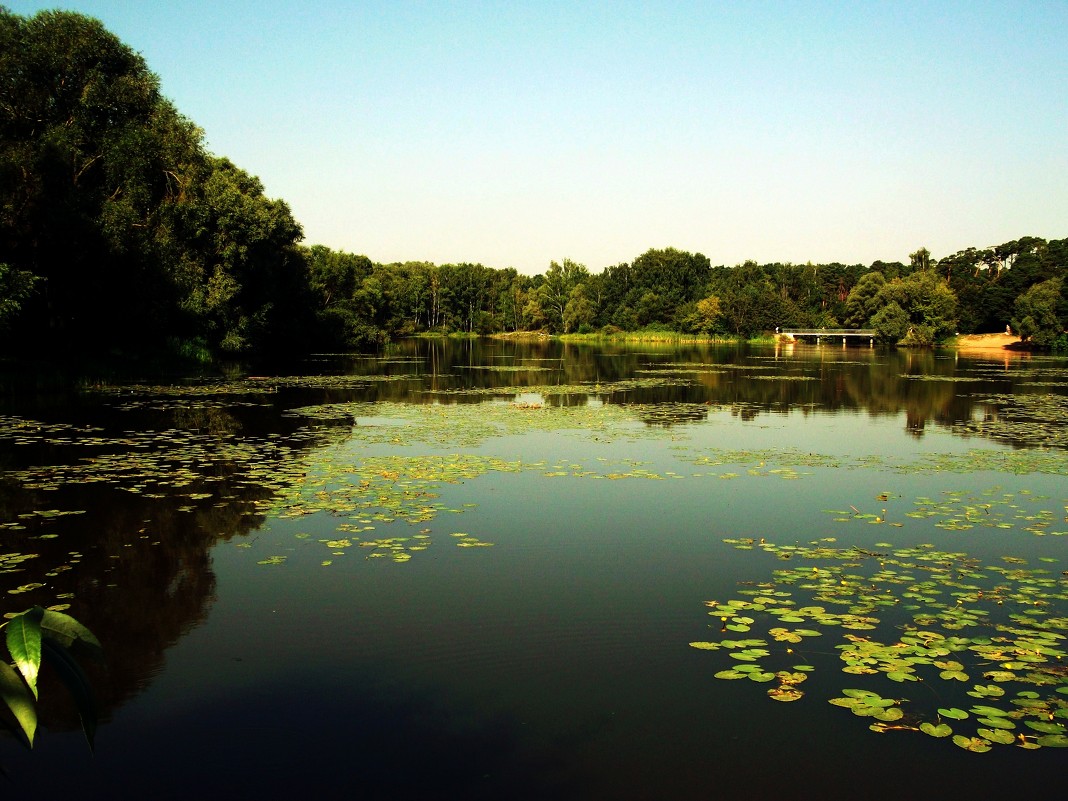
(455, 425)
(366, 493)
(955, 379)
(1032, 420)
(252, 385)
(716, 368)
(506, 368)
(596, 388)
(680, 371)
(932, 641)
(963, 510)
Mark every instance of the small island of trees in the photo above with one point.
(121, 233)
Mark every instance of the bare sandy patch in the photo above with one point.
(971, 342)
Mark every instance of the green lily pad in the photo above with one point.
(1045, 727)
(785, 693)
(729, 674)
(889, 714)
(996, 736)
(997, 723)
(1053, 741)
(976, 744)
(940, 730)
(953, 713)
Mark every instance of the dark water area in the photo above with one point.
(473, 569)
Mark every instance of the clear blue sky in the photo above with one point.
(516, 133)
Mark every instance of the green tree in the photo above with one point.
(750, 302)
(862, 301)
(15, 287)
(555, 292)
(920, 260)
(579, 312)
(927, 302)
(703, 317)
(109, 197)
(1036, 317)
(891, 323)
(76, 115)
(245, 282)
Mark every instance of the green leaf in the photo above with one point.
(70, 634)
(988, 711)
(976, 744)
(852, 693)
(24, 643)
(1053, 741)
(729, 674)
(761, 676)
(1045, 727)
(890, 714)
(996, 736)
(18, 699)
(76, 681)
(952, 713)
(901, 675)
(941, 730)
(997, 723)
(953, 675)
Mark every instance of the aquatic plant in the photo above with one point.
(940, 619)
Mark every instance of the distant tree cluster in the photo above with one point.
(119, 231)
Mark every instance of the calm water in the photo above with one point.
(471, 570)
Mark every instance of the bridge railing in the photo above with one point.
(828, 332)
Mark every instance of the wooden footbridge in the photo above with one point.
(820, 334)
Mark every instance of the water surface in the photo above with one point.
(473, 569)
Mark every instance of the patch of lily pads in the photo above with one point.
(965, 510)
(985, 642)
(1035, 420)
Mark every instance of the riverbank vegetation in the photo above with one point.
(121, 233)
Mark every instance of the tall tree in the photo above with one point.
(76, 111)
(554, 294)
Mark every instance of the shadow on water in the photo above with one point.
(382, 744)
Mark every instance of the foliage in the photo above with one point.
(555, 294)
(965, 640)
(1036, 316)
(39, 636)
(134, 232)
(15, 287)
(861, 304)
(119, 230)
(891, 323)
(919, 309)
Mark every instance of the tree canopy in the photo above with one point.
(120, 231)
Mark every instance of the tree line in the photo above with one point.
(120, 231)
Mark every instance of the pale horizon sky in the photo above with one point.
(513, 134)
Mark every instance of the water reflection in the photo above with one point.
(925, 387)
(116, 496)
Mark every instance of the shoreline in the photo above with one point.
(988, 342)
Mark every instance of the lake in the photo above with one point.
(484, 569)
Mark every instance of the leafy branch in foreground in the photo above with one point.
(42, 634)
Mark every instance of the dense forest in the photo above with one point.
(120, 232)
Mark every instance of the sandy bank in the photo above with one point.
(971, 342)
